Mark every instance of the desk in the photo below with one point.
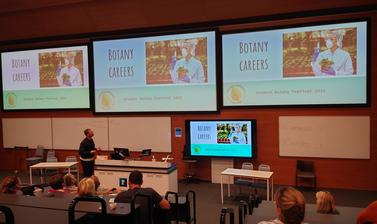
(254, 174)
(54, 165)
(161, 176)
(266, 211)
(55, 210)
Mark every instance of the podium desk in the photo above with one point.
(161, 176)
(252, 174)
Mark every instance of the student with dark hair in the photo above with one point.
(56, 183)
(135, 181)
(290, 206)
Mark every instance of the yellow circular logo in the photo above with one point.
(11, 100)
(106, 100)
(236, 94)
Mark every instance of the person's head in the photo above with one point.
(10, 185)
(188, 48)
(334, 39)
(96, 182)
(290, 205)
(135, 179)
(69, 180)
(69, 59)
(325, 202)
(368, 215)
(88, 133)
(86, 187)
(56, 182)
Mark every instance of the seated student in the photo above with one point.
(100, 190)
(70, 183)
(135, 181)
(87, 187)
(290, 206)
(56, 183)
(368, 215)
(10, 185)
(325, 203)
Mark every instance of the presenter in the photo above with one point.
(188, 69)
(69, 75)
(87, 152)
(237, 136)
(334, 60)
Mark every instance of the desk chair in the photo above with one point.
(224, 211)
(97, 218)
(190, 174)
(305, 170)
(49, 170)
(71, 159)
(242, 181)
(260, 184)
(9, 217)
(182, 209)
(37, 158)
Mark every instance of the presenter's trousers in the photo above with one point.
(88, 168)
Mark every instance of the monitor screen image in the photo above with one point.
(156, 73)
(306, 65)
(51, 78)
(222, 138)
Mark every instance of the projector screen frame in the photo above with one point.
(254, 143)
(125, 36)
(368, 35)
(46, 46)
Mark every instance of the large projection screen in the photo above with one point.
(304, 65)
(50, 78)
(167, 73)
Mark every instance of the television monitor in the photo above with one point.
(48, 78)
(156, 73)
(120, 153)
(309, 64)
(221, 138)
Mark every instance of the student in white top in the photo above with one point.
(290, 207)
(334, 60)
(69, 75)
(188, 69)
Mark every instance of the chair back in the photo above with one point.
(264, 167)
(51, 159)
(9, 217)
(39, 151)
(146, 209)
(50, 153)
(247, 166)
(71, 159)
(71, 208)
(224, 211)
(305, 165)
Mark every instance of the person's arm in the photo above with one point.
(77, 80)
(316, 67)
(157, 199)
(347, 67)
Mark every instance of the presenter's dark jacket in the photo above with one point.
(86, 146)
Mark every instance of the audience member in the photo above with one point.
(290, 206)
(135, 181)
(325, 203)
(96, 182)
(10, 185)
(100, 190)
(368, 215)
(56, 183)
(70, 183)
(87, 187)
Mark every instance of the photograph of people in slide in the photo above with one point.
(176, 61)
(329, 53)
(231, 133)
(61, 69)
